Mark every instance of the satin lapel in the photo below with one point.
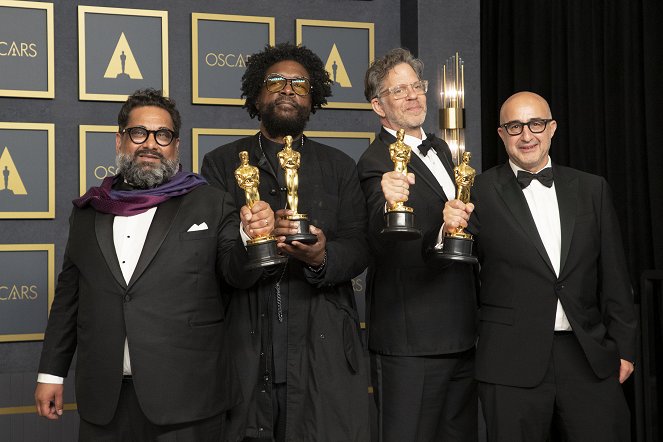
(103, 227)
(566, 188)
(423, 173)
(508, 189)
(161, 225)
(445, 157)
(417, 166)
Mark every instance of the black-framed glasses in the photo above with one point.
(535, 125)
(401, 90)
(139, 135)
(299, 85)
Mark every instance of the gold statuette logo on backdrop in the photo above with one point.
(336, 68)
(123, 63)
(11, 180)
(27, 170)
(121, 50)
(347, 49)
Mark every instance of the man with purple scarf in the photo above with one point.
(139, 295)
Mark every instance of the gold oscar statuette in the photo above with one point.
(290, 160)
(399, 218)
(457, 245)
(262, 250)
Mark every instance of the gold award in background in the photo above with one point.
(457, 245)
(399, 218)
(262, 250)
(289, 160)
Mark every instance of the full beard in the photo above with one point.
(143, 174)
(278, 125)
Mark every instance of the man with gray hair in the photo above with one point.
(422, 319)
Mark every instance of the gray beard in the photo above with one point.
(145, 177)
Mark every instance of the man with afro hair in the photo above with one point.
(294, 328)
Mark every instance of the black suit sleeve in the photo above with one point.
(616, 293)
(371, 167)
(347, 251)
(61, 338)
(232, 252)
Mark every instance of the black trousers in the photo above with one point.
(426, 398)
(131, 425)
(571, 400)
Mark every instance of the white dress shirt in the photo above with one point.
(129, 234)
(543, 206)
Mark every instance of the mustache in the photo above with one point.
(285, 99)
(147, 151)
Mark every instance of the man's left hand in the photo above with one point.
(313, 254)
(625, 370)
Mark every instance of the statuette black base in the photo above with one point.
(263, 253)
(399, 226)
(457, 249)
(303, 235)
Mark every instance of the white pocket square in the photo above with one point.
(198, 227)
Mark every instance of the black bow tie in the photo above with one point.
(429, 143)
(544, 176)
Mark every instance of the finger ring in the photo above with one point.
(266, 222)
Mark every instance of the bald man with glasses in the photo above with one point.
(557, 331)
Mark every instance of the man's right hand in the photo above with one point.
(456, 214)
(48, 399)
(257, 220)
(395, 186)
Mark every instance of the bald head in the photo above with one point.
(524, 100)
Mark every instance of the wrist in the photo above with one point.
(321, 266)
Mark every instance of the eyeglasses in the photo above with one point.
(401, 90)
(536, 126)
(139, 135)
(299, 85)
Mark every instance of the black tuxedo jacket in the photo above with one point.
(414, 309)
(170, 312)
(519, 288)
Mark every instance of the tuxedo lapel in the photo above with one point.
(161, 225)
(444, 153)
(566, 188)
(103, 227)
(508, 189)
(417, 166)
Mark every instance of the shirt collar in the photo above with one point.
(516, 168)
(411, 141)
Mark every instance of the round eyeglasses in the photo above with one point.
(299, 85)
(139, 135)
(536, 126)
(402, 90)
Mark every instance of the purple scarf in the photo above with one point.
(105, 199)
